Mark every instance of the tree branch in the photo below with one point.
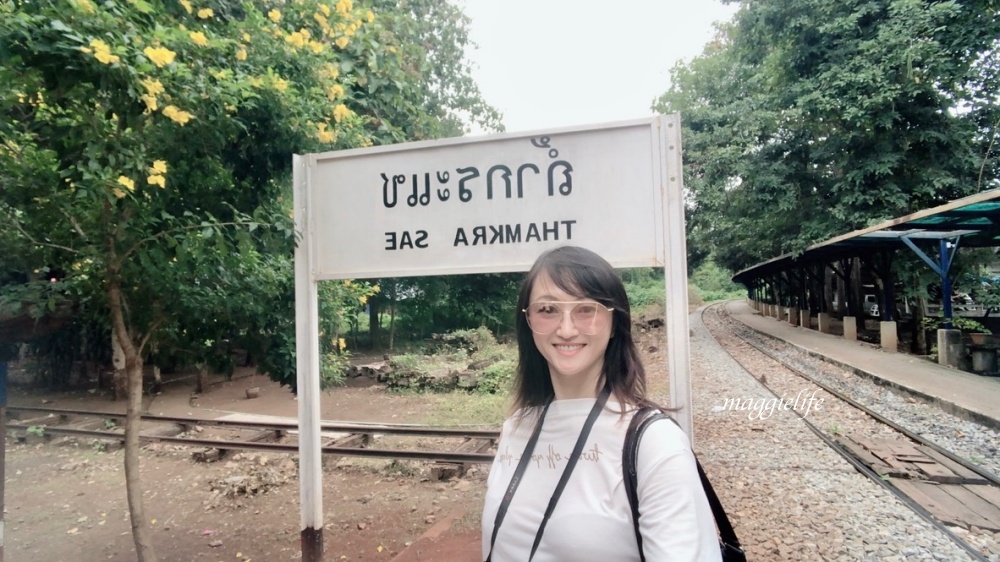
(33, 240)
(183, 229)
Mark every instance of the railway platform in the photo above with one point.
(967, 395)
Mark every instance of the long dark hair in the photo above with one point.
(583, 274)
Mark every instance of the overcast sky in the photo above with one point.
(553, 63)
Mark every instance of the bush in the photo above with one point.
(498, 377)
(333, 368)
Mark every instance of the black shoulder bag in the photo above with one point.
(515, 480)
(729, 543)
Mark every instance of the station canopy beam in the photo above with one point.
(972, 222)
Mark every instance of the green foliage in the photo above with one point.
(333, 368)
(967, 325)
(146, 152)
(808, 118)
(461, 348)
(497, 378)
(36, 430)
(714, 283)
(646, 291)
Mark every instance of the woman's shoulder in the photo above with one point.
(520, 419)
(665, 437)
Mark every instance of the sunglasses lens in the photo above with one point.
(545, 317)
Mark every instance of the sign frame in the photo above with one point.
(669, 243)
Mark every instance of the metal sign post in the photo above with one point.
(482, 205)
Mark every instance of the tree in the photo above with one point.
(808, 119)
(146, 150)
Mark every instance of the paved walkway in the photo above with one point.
(971, 396)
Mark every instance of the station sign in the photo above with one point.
(490, 204)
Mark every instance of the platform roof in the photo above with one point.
(974, 219)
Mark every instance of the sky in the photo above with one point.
(555, 63)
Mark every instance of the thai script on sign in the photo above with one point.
(423, 188)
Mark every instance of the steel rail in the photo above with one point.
(987, 474)
(389, 429)
(441, 456)
(849, 457)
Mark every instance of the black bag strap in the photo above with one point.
(529, 447)
(729, 543)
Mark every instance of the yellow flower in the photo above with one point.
(370, 16)
(296, 39)
(246, 37)
(102, 52)
(325, 9)
(344, 7)
(316, 47)
(341, 112)
(376, 288)
(255, 81)
(323, 135)
(342, 42)
(280, 84)
(159, 167)
(118, 192)
(85, 50)
(153, 87)
(205, 13)
(335, 91)
(187, 5)
(127, 182)
(330, 71)
(151, 103)
(241, 54)
(85, 5)
(342, 343)
(177, 115)
(199, 38)
(161, 56)
(157, 179)
(274, 15)
(363, 299)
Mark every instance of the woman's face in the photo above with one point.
(575, 359)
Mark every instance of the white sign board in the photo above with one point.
(490, 204)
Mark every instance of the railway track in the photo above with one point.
(946, 489)
(340, 439)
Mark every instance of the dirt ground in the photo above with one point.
(65, 500)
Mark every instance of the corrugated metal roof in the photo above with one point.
(975, 219)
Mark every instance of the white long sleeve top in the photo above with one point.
(592, 521)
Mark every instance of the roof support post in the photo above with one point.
(882, 266)
(947, 248)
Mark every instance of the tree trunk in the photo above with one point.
(373, 322)
(119, 378)
(392, 326)
(133, 485)
(201, 381)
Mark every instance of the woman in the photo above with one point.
(579, 367)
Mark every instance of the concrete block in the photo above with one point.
(850, 328)
(782, 312)
(804, 320)
(888, 336)
(793, 316)
(824, 322)
(949, 345)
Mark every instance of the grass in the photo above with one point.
(456, 409)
